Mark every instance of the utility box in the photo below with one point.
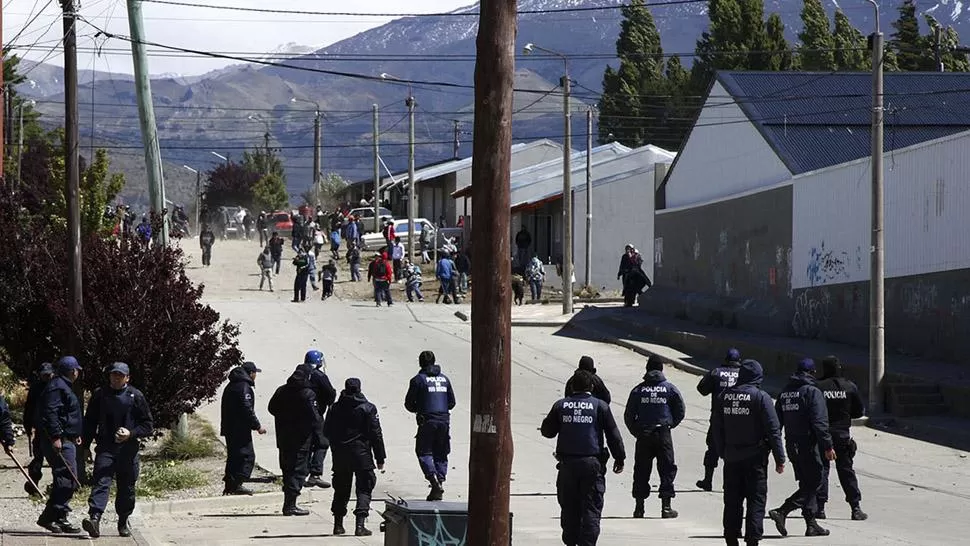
(423, 523)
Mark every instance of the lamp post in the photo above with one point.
(567, 189)
(410, 104)
(317, 144)
(20, 137)
(198, 196)
(265, 122)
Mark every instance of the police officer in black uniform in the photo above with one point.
(844, 404)
(654, 408)
(599, 388)
(238, 422)
(298, 426)
(116, 419)
(326, 396)
(430, 398)
(713, 383)
(31, 425)
(354, 430)
(61, 428)
(580, 421)
(6, 426)
(801, 408)
(745, 429)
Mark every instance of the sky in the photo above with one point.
(241, 33)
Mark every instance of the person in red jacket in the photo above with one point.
(381, 273)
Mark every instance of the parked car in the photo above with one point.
(279, 221)
(374, 241)
(367, 214)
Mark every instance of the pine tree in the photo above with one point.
(851, 53)
(719, 48)
(910, 46)
(778, 54)
(815, 52)
(680, 106)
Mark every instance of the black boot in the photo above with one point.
(666, 512)
(338, 526)
(362, 531)
(124, 529)
(317, 481)
(92, 525)
(437, 491)
(31, 490)
(707, 483)
(46, 520)
(820, 513)
(858, 514)
(778, 516)
(813, 529)
(638, 509)
(66, 526)
(731, 541)
(291, 509)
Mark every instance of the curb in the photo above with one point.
(538, 324)
(181, 506)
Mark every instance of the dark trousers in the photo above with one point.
(710, 456)
(745, 481)
(397, 269)
(382, 290)
(365, 481)
(629, 297)
(207, 255)
(240, 459)
(327, 287)
(654, 445)
(432, 445)
(35, 468)
(58, 502)
(414, 290)
(317, 455)
(845, 449)
(580, 487)
(535, 287)
(806, 461)
(276, 263)
(299, 286)
(123, 467)
(294, 463)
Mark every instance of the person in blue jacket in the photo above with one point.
(61, 427)
(579, 423)
(713, 383)
(431, 397)
(745, 430)
(35, 468)
(654, 407)
(116, 419)
(805, 419)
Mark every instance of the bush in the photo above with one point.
(184, 449)
(139, 308)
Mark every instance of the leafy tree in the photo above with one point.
(911, 48)
(331, 185)
(816, 51)
(11, 78)
(947, 40)
(851, 53)
(139, 308)
(264, 161)
(721, 46)
(778, 54)
(269, 193)
(229, 184)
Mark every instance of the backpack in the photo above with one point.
(380, 269)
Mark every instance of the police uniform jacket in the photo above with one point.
(744, 423)
(430, 395)
(802, 411)
(6, 424)
(354, 431)
(109, 410)
(60, 411)
(599, 389)
(654, 403)
(294, 405)
(238, 409)
(843, 401)
(715, 381)
(32, 404)
(326, 394)
(580, 422)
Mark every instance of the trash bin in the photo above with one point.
(423, 523)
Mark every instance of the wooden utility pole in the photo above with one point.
(4, 90)
(72, 165)
(490, 460)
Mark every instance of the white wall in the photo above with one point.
(622, 213)
(724, 154)
(927, 215)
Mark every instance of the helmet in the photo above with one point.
(314, 358)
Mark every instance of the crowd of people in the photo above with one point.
(745, 428)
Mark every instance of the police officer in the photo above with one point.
(61, 428)
(298, 426)
(599, 388)
(745, 429)
(801, 408)
(116, 418)
(580, 421)
(844, 404)
(713, 383)
(31, 425)
(431, 398)
(654, 408)
(354, 431)
(6, 426)
(238, 422)
(326, 395)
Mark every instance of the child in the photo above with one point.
(328, 275)
(412, 275)
(265, 263)
(353, 259)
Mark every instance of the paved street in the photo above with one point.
(915, 493)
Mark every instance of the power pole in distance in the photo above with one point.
(457, 139)
(377, 172)
(490, 459)
(589, 196)
(410, 105)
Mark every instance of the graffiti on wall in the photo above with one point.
(437, 533)
(825, 266)
(813, 309)
(919, 298)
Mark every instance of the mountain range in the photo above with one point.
(229, 110)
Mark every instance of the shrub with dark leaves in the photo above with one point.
(139, 308)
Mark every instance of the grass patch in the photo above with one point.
(163, 477)
(199, 444)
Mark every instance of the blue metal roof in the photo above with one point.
(815, 120)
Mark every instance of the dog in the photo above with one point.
(518, 289)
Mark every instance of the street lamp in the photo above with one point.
(222, 157)
(567, 198)
(410, 104)
(317, 143)
(265, 122)
(877, 278)
(198, 196)
(20, 136)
